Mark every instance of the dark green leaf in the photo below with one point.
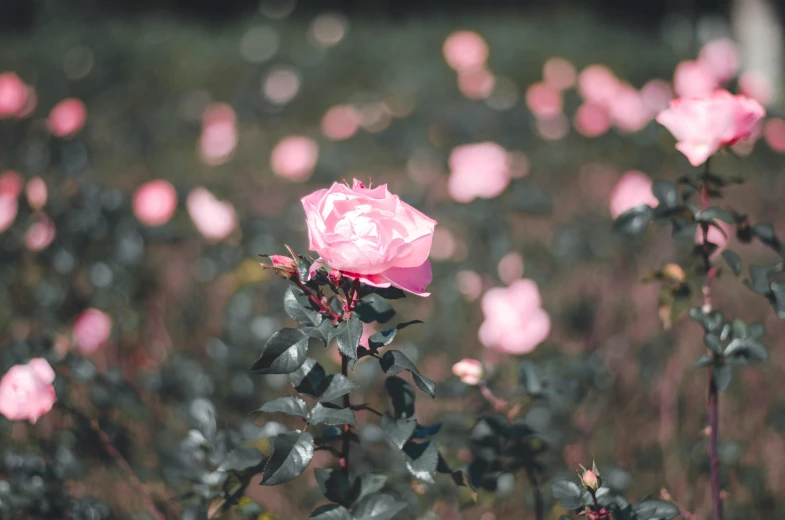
(323, 414)
(710, 214)
(722, 375)
(374, 308)
(393, 362)
(712, 342)
(289, 405)
(300, 307)
(739, 329)
(759, 274)
(385, 337)
(283, 353)
(312, 380)
(241, 458)
(402, 395)
(292, 452)
(778, 298)
(330, 512)
(569, 493)
(426, 431)
(733, 261)
(303, 266)
(399, 431)
(634, 222)
(378, 506)
(747, 347)
(766, 234)
(421, 460)
(369, 483)
(338, 385)
(349, 337)
(655, 510)
(335, 486)
(684, 229)
(711, 322)
(666, 193)
(704, 361)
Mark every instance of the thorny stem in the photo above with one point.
(322, 306)
(345, 444)
(367, 408)
(539, 505)
(713, 399)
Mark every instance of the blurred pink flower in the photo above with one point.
(720, 57)
(716, 237)
(628, 110)
(515, 322)
(469, 371)
(476, 83)
(26, 391)
(470, 284)
(633, 189)
(281, 85)
(591, 120)
(559, 73)
(67, 118)
(544, 100)
(691, 79)
(36, 193)
(219, 134)
(91, 330)
(774, 132)
(155, 202)
(294, 158)
(510, 267)
(553, 128)
(340, 122)
(702, 126)
(756, 86)
(465, 50)
(656, 95)
(443, 244)
(8, 210)
(478, 170)
(13, 95)
(41, 233)
(214, 219)
(597, 84)
(11, 183)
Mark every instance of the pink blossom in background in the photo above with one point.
(67, 118)
(656, 95)
(478, 170)
(628, 111)
(294, 158)
(544, 100)
(30, 103)
(11, 183)
(716, 237)
(756, 86)
(559, 73)
(465, 50)
(469, 371)
(340, 122)
(515, 322)
(444, 244)
(91, 330)
(553, 128)
(155, 202)
(510, 267)
(36, 193)
(371, 235)
(26, 391)
(469, 284)
(281, 86)
(9, 206)
(476, 83)
(13, 95)
(702, 126)
(774, 133)
(597, 84)
(41, 233)
(213, 218)
(720, 57)
(219, 134)
(633, 189)
(691, 79)
(591, 120)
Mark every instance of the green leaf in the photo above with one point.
(568, 492)
(634, 222)
(369, 483)
(374, 308)
(710, 214)
(289, 405)
(333, 416)
(739, 329)
(421, 459)
(712, 342)
(348, 337)
(666, 192)
(722, 375)
(312, 380)
(655, 510)
(335, 486)
(530, 378)
(711, 322)
(241, 458)
(402, 395)
(748, 348)
(330, 512)
(378, 506)
(283, 353)
(756, 330)
(778, 298)
(292, 453)
(766, 234)
(759, 275)
(399, 431)
(385, 337)
(733, 261)
(704, 361)
(300, 307)
(393, 362)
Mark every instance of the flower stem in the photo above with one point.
(345, 444)
(539, 505)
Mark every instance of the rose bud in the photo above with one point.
(284, 266)
(469, 370)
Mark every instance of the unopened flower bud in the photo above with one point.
(469, 370)
(591, 480)
(335, 277)
(284, 266)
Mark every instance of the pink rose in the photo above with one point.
(370, 234)
(633, 189)
(465, 50)
(155, 202)
(67, 118)
(591, 120)
(515, 322)
(478, 170)
(26, 391)
(469, 371)
(704, 125)
(91, 330)
(214, 219)
(597, 84)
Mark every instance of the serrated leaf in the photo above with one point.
(312, 380)
(399, 431)
(374, 308)
(655, 510)
(569, 493)
(330, 512)
(421, 460)
(722, 375)
(733, 260)
(335, 486)
(634, 222)
(323, 414)
(385, 337)
(289, 405)
(348, 338)
(402, 395)
(283, 353)
(292, 453)
(301, 308)
(241, 458)
(378, 506)
(393, 362)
